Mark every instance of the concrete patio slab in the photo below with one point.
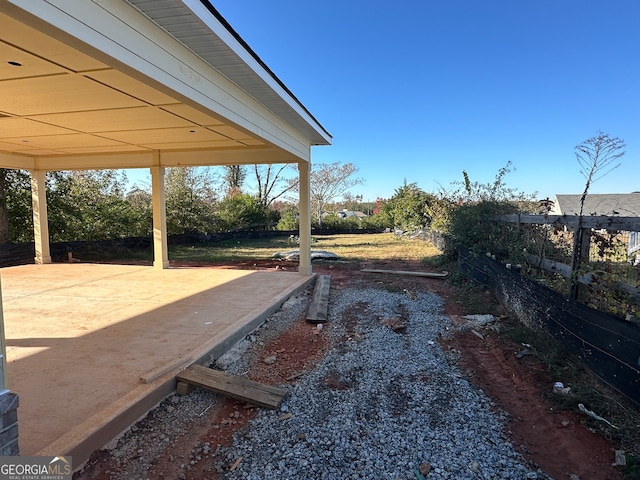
(91, 348)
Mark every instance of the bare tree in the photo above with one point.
(234, 177)
(597, 157)
(329, 181)
(272, 182)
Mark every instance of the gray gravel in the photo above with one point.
(381, 405)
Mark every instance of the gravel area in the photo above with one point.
(385, 403)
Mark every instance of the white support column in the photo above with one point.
(160, 249)
(40, 220)
(304, 214)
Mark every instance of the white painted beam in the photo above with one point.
(16, 162)
(188, 158)
(227, 157)
(96, 162)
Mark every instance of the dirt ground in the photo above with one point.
(559, 442)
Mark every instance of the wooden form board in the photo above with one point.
(317, 312)
(413, 274)
(233, 386)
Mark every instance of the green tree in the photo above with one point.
(288, 218)
(244, 211)
(140, 202)
(473, 226)
(468, 214)
(89, 205)
(497, 191)
(191, 200)
(439, 210)
(464, 195)
(4, 211)
(407, 208)
(16, 214)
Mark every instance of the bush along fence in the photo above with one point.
(585, 280)
(606, 344)
(592, 307)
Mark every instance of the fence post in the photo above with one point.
(581, 244)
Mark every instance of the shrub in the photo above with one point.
(288, 219)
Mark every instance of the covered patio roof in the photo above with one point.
(139, 83)
(121, 84)
(115, 84)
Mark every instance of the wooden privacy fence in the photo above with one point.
(582, 228)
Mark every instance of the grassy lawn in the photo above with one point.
(357, 247)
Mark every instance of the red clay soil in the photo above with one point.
(555, 441)
(297, 350)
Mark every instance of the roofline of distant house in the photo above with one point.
(207, 4)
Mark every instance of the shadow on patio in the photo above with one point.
(91, 348)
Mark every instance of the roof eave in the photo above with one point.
(253, 76)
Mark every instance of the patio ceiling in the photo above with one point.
(120, 84)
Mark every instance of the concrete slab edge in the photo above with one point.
(96, 432)
(110, 423)
(232, 335)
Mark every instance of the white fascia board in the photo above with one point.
(219, 29)
(145, 51)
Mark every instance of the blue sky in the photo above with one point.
(422, 90)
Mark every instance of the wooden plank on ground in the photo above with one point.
(233, 386)
(401, 272)
(317, 312)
